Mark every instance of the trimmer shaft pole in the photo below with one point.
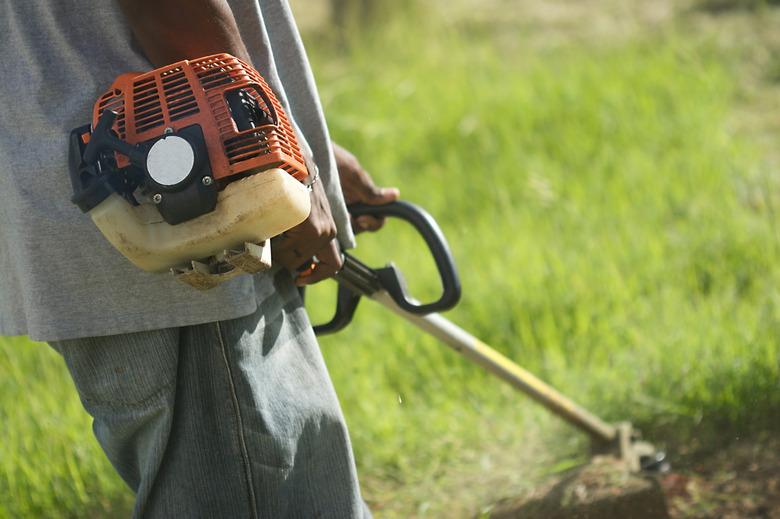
(482, 354)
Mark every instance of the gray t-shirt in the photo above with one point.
(59, 278)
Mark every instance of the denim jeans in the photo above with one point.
(228, 419)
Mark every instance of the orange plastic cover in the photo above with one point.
(193, 92)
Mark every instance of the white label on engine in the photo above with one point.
(170, 160)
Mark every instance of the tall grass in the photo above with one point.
(611, 234)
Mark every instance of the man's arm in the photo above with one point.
(173, 30)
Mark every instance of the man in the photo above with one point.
(214, 404)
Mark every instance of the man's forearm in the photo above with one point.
(173, 30)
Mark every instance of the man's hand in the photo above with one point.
(310, 248)
(357, 186)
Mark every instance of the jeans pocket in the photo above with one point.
(122, 370)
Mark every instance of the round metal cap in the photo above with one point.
(170, 160)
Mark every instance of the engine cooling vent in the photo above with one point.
(248, 145)
(179, 98)
(146, 102)
(213, 76)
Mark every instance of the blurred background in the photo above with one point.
(608, 175)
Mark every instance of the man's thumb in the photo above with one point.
(383, 195)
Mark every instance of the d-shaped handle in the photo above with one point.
(391, 278)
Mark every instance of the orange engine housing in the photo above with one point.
(194, 92)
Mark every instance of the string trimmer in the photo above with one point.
(386, 286)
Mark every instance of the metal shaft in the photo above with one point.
(482, 354)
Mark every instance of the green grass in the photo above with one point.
(50, 464)
(612, 236)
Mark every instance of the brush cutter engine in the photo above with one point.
(191, 167)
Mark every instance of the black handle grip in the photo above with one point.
(100, 134)
(390, 277)
(346, 304)
(103, 138)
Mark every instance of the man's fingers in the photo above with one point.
(294, 253)
(291, 251)
(367, 223)
(374, 196)
(358, 187)
(328, 262)
(382, 195)
(292, 261)
(294, 248)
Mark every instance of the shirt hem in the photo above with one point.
(139, 323)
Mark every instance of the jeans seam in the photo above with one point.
(240, 431)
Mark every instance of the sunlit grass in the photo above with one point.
(50, 464)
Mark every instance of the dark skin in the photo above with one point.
(209, 27)
(358, 187)
(173, 30)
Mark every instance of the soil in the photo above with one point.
(741, 480)
(603, 489)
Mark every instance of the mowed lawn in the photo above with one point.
(613, 235)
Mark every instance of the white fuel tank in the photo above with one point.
(249, 210)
